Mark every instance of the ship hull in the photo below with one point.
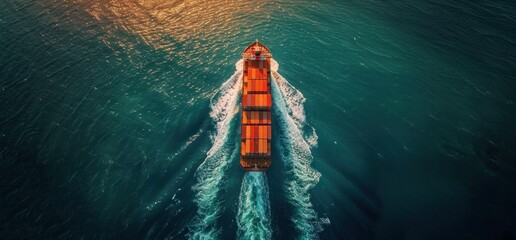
(255, 155)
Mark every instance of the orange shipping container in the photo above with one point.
(245, 117)
(259, 74)
(257, 86)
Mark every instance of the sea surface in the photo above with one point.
(119, 119)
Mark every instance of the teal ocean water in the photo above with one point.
(392, 120)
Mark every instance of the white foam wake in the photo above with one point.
(294, 105)
(254, 214)
(296, 153)
(211, 174)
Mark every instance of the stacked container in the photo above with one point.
(256, 132)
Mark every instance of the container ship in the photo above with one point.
(255, 155)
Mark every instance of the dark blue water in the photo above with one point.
(392, 120)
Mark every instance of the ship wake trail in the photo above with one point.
(254, 214)
(295, 145)
(211, 174)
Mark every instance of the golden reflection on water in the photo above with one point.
(159, 23)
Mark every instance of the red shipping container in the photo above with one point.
(256, 132)
(255, 117)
